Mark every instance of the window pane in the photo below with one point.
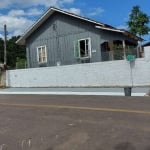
(39, 54)
(43, 50)
(82, 48)
(40, 60)
(44, 59)
(87, 47)
(42, 54)
(76, 49)
(87, 41)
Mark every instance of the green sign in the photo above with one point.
(130, 57)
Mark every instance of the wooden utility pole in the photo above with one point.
(5, 44)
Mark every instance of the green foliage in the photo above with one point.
(20, 63)
(13, 51)
(138, 22)
(1, 50)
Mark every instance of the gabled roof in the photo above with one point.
(52, 10)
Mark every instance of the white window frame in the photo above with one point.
(42, 57)
(89, 48)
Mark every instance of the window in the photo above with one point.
(41, 54)
(82, 48)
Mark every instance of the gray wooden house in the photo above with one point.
(63, 38)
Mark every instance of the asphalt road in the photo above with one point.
(49, 122)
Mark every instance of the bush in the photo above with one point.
(21, 63)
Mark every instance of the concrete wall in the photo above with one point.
(141, 69)
(119, 73)
(2, 78)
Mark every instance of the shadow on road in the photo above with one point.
(124, 146)
(127, 146)
(147, 148)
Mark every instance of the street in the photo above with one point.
(65, 122)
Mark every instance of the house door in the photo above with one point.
(105, 51)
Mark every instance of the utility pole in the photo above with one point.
(5, 44)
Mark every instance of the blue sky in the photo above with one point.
(21, 14)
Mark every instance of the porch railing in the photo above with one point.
(117, 54)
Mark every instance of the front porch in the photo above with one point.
(118, 50)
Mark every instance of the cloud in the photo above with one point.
(122, 27)
(14, 13)
(18, 20)
(30, 12)
(29, 3)
(1, 36)
(96, 11)
(15, 26)
(74, 10)
(34, 12)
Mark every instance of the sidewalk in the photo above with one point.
(74, 91)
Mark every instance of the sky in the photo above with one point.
(19, 15)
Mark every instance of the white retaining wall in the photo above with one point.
(103, 74)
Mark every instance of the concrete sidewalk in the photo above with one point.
(74, 91)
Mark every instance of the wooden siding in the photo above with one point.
(58, 33)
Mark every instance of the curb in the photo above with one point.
(73, 93)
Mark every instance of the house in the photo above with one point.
(146, 44)
(63, 38)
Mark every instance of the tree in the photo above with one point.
(14, 51)
(1, 50)
(138, 22)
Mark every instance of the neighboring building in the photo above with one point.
(63, 38)
(146, 44)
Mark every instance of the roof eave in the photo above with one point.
(22, 39)
(127, 33)
(47, 14)
(109, 29)
(51, 10)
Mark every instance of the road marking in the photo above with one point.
(78, 108)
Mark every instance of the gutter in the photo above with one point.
(109, 29)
